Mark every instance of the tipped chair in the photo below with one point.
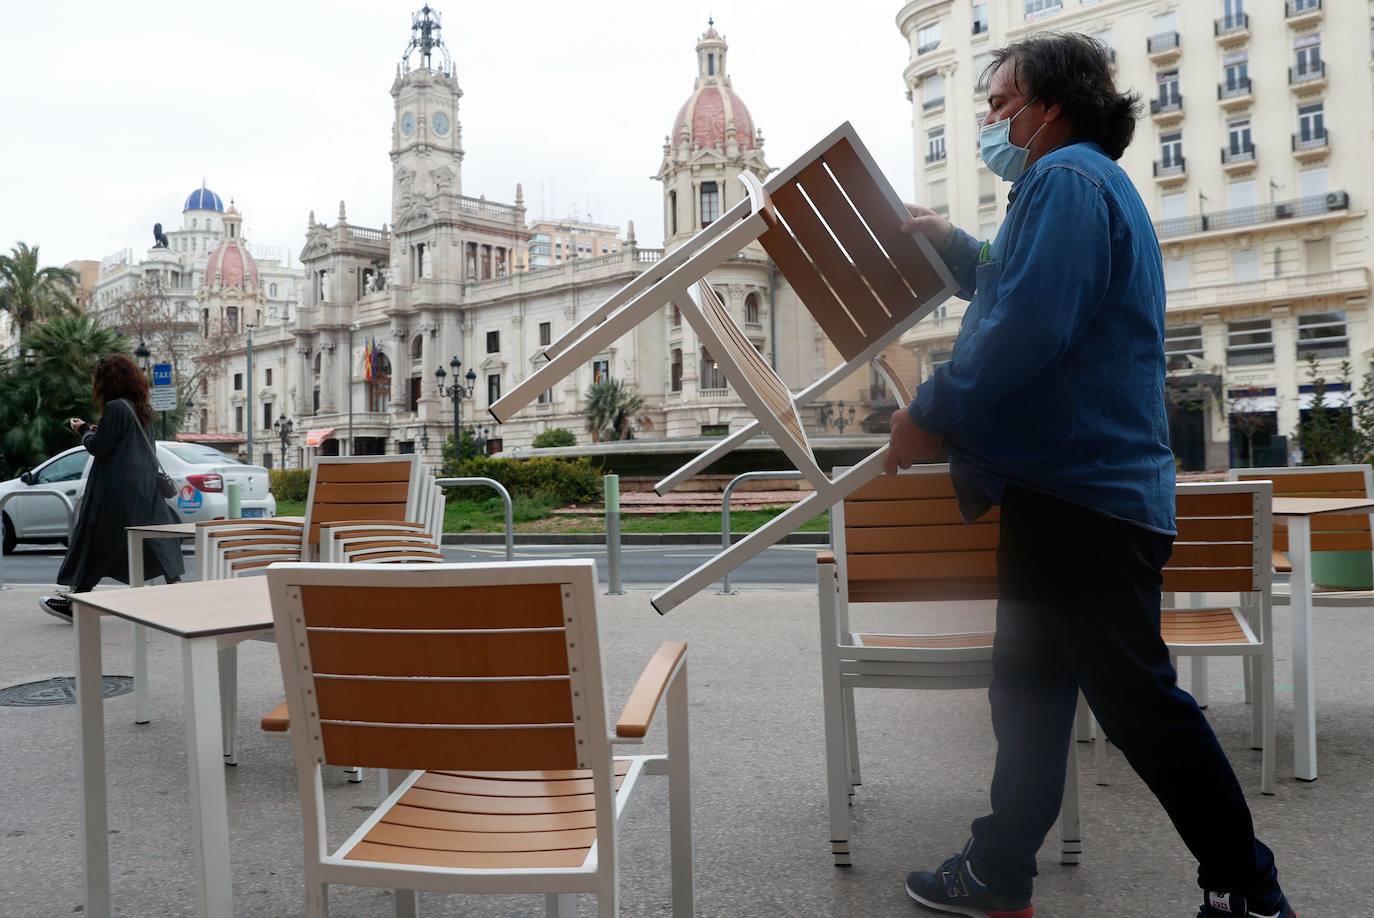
(479, 689)
(390, 542)
(901, 540)
(1224, 548)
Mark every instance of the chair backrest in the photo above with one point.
(900, 538)
(486, 667)
(1333, 532)
(372, 488)
(1224, 539)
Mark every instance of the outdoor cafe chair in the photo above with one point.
(478, 688)
(900, 540)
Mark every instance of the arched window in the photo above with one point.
(751, 309)
(272, 290)
(417, 348)
(379, 387)
(231, 319)
(205, 323)
(318, 356)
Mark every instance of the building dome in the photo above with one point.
(203, 199)
(713, 111)
(231, 265)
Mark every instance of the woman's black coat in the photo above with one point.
(121, 491)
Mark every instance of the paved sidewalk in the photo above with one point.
(758, 777)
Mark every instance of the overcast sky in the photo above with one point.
(114, 111)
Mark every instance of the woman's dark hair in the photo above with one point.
(117, 377)
(1072, 70)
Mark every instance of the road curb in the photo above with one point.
(638, 538)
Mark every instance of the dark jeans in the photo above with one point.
(1079, 608)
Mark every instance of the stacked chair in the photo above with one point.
(830, 223)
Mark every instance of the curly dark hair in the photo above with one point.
(1072, 70)
(117, 377)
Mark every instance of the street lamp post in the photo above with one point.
(424, 438)
(248, 372)
(283, 427)
(456, 392)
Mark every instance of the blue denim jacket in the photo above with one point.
(1057, 378)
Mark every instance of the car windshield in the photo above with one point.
(195, 454)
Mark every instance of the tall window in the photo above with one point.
(711, 376)
(1241, 195)
(231, 320)
(1308, 50)
(267, 415)
(1236, 70)
(928, 37)
(1249, 341)
(751, 309)
(1311, 122)
(545, 333)
(238, 382)
(493, 388)
(1323, 334)
(1245, 265)
(1234, 14)
(1181, 342)
(1312, 182)
(980, 17)
(932, 91)
(493, 342)
(601, 370)
(711, 65)
(238, 419)
(981, 62)
(1178, 272)
(672, 213)
(935, 144)
(1238, 136)
(1166, 88)
(267, 377)
(675, 373)
(677, 316)
(379, 387)
(1171, 150)
(710, 203)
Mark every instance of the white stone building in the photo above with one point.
(1260, 209)
(445, 279)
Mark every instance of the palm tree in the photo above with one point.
(32, 294)
(612, 407)
(49, 383)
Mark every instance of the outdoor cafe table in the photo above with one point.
(1298, 511)
(203, 616)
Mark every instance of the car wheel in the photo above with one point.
(11, 537)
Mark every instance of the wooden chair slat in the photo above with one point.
(1218, 529)
(909, 487)
(372, 653)
(361, 492)
(1212, 554)
(913, 566)
(362, 471)
(813, 291)
(948, 589)
(516, 606)
(472, 860)
(385, 833)
(903, 513)
(1194, 505)
(898, 539)
(1323, 484)
(410, 701)
(430, 818)
(1202, 580)
(928, 641)
(371, 746)
(498, 806)
(460, 783)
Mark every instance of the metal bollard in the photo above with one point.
(235, 494)
(725, 589)
(612, 487)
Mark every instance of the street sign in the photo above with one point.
(163, 398)
(162, 374)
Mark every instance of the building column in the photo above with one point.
(1289, 373)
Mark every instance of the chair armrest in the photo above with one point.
(825, 557)
(653, 682)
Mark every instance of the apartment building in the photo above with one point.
(1252, 157)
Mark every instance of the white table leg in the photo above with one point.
(1300, 606)
(90, 705)
(209, 806)
(140, 633)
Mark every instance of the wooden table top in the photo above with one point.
(189, 610)
(1315, 506)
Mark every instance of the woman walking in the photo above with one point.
(121, 489)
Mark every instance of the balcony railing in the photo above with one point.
(1165, 41)
(1299, 7)
(1309, 74)
(1270, 289)
(1238, 154)
(1226, 25)
(1234, 88)
(927, 47)
(1166, 104)
(1169, 167)
(935, 156)
(1311, 206)
(1312, 140)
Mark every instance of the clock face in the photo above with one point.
(408, 123)
(440, 123)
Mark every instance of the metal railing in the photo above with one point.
(1308, 74)
(1165, 41)
(1166, 105)
(1259, 213)
(1293, 8)
(1242, 154)
(1234, 88)
(36, 492)
(1313, 140)
(725, 508)
(1170, 167)
(482, 482)
(1229, 24)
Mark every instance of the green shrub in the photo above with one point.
(555, 436)
(289, 484)
(565, 481)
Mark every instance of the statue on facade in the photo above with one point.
(159, 237)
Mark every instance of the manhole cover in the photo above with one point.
(59, 690)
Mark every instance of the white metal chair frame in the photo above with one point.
(592, 751)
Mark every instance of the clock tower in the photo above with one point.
(426, 138)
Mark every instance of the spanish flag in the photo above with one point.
(367, 360)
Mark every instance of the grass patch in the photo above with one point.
(290, 507)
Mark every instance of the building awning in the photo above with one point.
(317, 437)
(210, 439)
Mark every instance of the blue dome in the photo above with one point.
(203, 199)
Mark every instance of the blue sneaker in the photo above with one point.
(955, 890)
(1234, 905)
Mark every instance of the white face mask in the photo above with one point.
(1004, 158)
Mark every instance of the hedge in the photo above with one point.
(289, 484)
(568, 481)
(555, 436)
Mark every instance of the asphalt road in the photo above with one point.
(642, 566)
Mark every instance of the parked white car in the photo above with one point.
(202, 475)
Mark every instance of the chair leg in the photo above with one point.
(852, 732)
(1264, 695)
(316, 900)
(1070, 823)
(1199, 683)
(1083, 721)
(1100, 756)
(355, 774)
(229, 700)
(406, 904)
(560, 905)
(1247, 677)
(679, 799)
